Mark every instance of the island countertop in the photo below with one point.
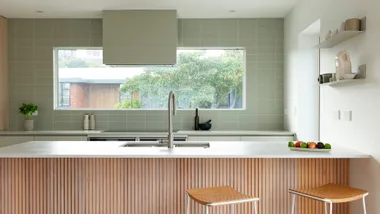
(114, 149)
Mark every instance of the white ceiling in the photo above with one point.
(185, 8)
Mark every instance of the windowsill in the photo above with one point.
(111, 109)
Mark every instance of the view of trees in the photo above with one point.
(201, 79)
(198, 80)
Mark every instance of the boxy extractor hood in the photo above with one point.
(140, 37)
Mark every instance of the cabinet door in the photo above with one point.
(60, 138)
(11, 140)
(267, 138)
(214, 138)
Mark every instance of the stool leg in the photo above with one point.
(364, 207)
(206, 209)
(331, 205)
(325, 207)
(255, 206)
(293, 203)
(233, 209)
(188, 204)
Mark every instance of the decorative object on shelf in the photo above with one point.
(353, 24)
(325, 78)
(336, 32)
(343, 65)
(92, 122)
(86, 122)
(320, 79)
(349, 76)
(196, 120)
(328, 35)
(205, 126)
(342, 27)
(28, 110)
(347, 30)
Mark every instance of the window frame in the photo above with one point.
(56, 79)
(60, 96)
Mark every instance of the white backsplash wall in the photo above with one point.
(31, 43)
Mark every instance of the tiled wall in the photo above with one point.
(31, 45)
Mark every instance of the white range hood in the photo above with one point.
(140, 37)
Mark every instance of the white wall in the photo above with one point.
(363, 133)
(307, 102)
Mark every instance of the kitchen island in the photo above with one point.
(103, 177)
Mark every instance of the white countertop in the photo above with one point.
(112, 149)
(101, 133)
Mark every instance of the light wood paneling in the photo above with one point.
(157, 186)
(3, 74)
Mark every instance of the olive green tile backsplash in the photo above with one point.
(31, 43)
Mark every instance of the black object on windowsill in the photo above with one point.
(196, 120)
(205, 126)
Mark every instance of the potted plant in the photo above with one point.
(27, 110)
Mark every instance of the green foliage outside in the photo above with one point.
(128, 104)
(68, 59)
(199, 80)
(27, 110)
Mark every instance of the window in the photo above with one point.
(202, 78)
(64, 95)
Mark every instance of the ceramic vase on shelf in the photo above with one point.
(28, 125)
(343, 65)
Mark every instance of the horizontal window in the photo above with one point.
(202, 78)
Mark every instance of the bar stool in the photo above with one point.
(217, 196)
(330, 193)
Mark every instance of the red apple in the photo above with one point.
(298, 144)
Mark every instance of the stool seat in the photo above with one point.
(221, 195)
(332, 192)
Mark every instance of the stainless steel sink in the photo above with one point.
(151, 131)
(158, 144)
(192, 144)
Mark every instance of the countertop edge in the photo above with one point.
(100, 133)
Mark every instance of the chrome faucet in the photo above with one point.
(171, 112)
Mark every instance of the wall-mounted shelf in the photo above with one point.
(338, 38)
(360, 76)
(341, 82)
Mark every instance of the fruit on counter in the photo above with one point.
(312, 145)
(320, 145)
(304, 145)
(291, 144)
(298, 144)
(327, 146)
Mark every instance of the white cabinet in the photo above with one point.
(267, 138)
(214, 138)
(60, 138)
(11, 140)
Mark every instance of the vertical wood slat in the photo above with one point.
(157, 186)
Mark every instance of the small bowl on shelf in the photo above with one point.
(349, 76)
(205, 126)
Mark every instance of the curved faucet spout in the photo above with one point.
(171, 111)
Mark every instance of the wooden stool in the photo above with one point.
(330, 193)
(216, 196)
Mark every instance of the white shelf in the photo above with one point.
(338, 38)
(341, 82)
